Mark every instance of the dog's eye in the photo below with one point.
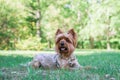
(68, 40)
(58, 40)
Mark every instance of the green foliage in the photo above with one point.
(95, 21)
(32, 43)
(10, 21)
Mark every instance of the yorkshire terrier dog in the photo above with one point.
(65, 44)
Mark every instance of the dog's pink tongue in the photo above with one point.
(62, 49)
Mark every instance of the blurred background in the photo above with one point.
(31, 24)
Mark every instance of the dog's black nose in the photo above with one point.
(62, 43)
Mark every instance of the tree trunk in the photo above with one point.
(108, 31)
(82, 46)
(91, 39)
(38, 17)
(108, 39)
(49, 43)
(38, 24)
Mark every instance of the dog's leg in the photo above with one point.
(73, 64)
(35, 64)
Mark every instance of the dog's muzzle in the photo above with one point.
(63, 49)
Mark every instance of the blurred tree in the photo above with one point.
(99, 22)
(10, 21)
(35, 16)
(31, 24)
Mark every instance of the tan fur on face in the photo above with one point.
(70, 40)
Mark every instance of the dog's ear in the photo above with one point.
(74, 35)
(72, 32)
(58, 32)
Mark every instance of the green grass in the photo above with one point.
(102, 65)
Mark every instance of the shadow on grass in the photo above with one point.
(13, 60)
(10, 67)
(102, 64)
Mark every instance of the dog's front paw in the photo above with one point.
(36, 64)
(71, 64)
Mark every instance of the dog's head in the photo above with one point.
(65, 42)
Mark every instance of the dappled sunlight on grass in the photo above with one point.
(102, 65)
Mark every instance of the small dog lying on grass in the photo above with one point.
(65, 44)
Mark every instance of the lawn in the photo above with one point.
(100, 65)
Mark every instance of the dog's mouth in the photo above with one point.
(63, 49)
